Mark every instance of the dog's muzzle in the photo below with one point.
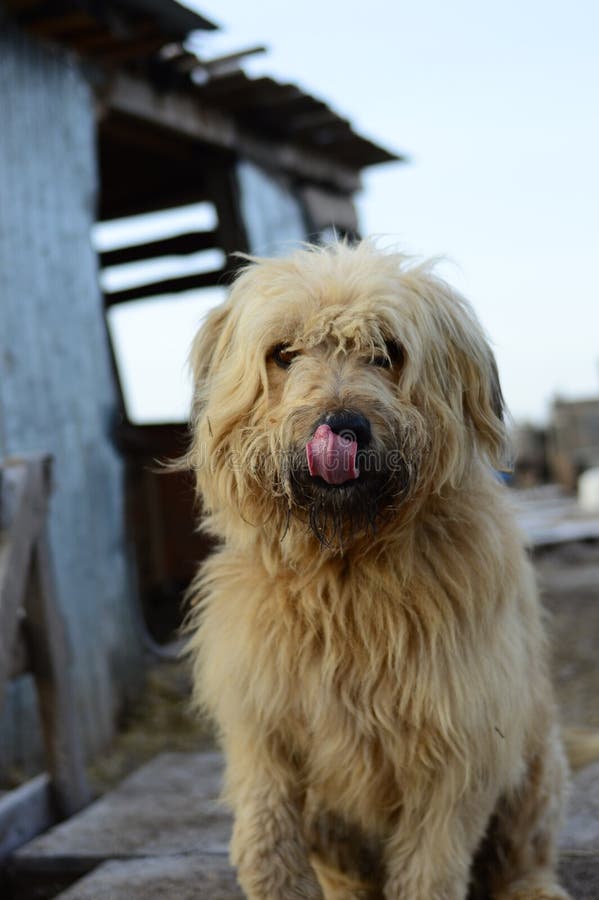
(343, 480)
(333, 450)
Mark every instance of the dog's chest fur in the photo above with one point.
(365, 688)
(366, 724)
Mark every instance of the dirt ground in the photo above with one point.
(569, 581)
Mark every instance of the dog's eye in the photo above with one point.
(381, 362)
(393, 358)
(283, 356)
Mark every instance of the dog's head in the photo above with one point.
(335, 388)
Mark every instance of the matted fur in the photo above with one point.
(372, 653)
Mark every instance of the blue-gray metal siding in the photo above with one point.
(56, 387)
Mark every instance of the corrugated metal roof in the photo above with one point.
(172, 16)
(116, 32)
(147, 37)
(284, 112)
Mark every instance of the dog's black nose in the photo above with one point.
(351, 425)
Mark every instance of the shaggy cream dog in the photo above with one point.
(368, 634)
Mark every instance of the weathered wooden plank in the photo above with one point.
(181, 244)
(165, 820)
(186, 115)
(165, 827)
(51, 663)
(209, 877)
(169, 807)
(160, 878)
(218, 65)
(116, 203)
(168, 286)
(29, 613)
(25, 813)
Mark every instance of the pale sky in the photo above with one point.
(496, 106)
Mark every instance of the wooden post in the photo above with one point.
(50, 660)
(30, 615)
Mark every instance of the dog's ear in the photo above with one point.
(204, 351)
(497, 401)
(482, 397)
(465, 370)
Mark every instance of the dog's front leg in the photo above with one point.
(429, 855)
(268, 846)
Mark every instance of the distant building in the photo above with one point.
(104, 114)
(530, 455)
(560, 451)
(572, 439)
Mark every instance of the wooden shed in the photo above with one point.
(106, 116)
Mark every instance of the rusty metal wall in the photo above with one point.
(56, 387)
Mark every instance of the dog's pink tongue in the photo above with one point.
(332, 456)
